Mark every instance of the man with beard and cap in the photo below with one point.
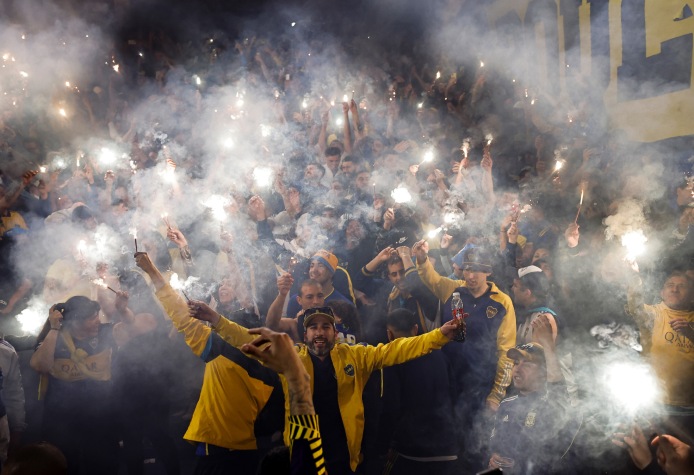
(667, 336)
(481, 369)
(338, 373)
(533, 428)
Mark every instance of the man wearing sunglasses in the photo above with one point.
(338, 374)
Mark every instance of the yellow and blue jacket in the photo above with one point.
(353, 364)
(480, 363)
(239, 399)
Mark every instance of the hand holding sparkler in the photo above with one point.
(285, 283)
(421, 251)
(201, 311)
(512, 232)
(177, 237)
(572, 235)
(388, 218)
(55, 318)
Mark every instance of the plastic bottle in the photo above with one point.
(458, 314)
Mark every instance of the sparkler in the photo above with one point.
(632, 386)
(401, 195)
(133, 233)
(262, 176)
(438, 75)
(558, 165)
(42, 169)
(481, 64)
(62, 112)
(428, 156)
(635, 244)
(103, 285)
(489, 138)
(216, 204)
(176, 284)
(107, 156)
(434, 232)
(580, 203)
(81, 248)
(465, 147)
(165, 218)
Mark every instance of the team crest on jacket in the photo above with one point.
(491, 312)
(349, 370)
(530, 419)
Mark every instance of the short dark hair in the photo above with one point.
(402, 320)
(319, 166)
(394, 259)
(332, 151)
(306, 283)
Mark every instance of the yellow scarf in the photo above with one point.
(79, 366)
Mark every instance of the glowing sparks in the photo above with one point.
(81, 247)
(293, 24)
(228, 143)
(420, 105)
(558, 165)
(42, 169)
(101, 283)
(175, 282)
(489, 138)
(345, 98)
(635, 244)
(339, 121)
(262, 176)
(438, 75)
(265, 130)
(24, 74)
(116, 67)
(304, 104)
(632, 386)
(67, 83)
(580, 203)
(465, 147)
(428, 156)
(481, 64)
(107, 156)
(217, 205)
(434, 232)
(133, 232)
(401, 195)
(32, 318)
(62, 112)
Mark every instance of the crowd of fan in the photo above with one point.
(341, 221)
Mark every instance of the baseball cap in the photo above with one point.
(533, 352)
(534, 279)
(328, 259)
(473, 258)
(311, 314)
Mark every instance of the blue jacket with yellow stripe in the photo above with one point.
(239, 399)
(480, 363)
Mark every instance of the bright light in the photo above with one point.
(304, 104)
(401, 195)
(67, 83)
(293, 24)
(489, 138)
(265, 130)
(133, 232)
(107, 156)
(60, 163)
(450, 218)
(116, 67)
(175, 282)
(81, 247)
(558, 166)
(481, 64)
(420, 105)
(228, 143)
(42, 169)
(632, 386)
(434, 232)
(239, 103)
(465, 147)
(438, 74)
(339, 121)
(262, 176)
(62, 112)
(428, 156)
(635, 243)
(32, 318)
(24, 74)
(100, 283)
(216, 204)
(345, 98)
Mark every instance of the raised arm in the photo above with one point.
(43, 358)
(274, 320)
(441, 287)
